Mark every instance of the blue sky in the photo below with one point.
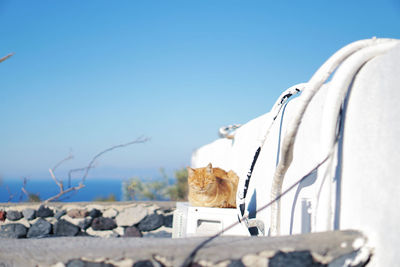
(87, 75)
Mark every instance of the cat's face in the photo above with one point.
(201, 179)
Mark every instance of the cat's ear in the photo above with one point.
(209, 168)
(190, 171)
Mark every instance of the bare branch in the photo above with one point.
(23, 189)
(10, 195)
(85, 169)
(139, 140)
(62, 161)
(6, 57)
(59, 183)
(25, 192)
(75, 170)
(62, 192)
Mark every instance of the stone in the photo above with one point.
(23, 221)
(82, 263)
(132, 231)
(145, 263)
(29, 214)
(159, 234)
(255, 260)
(2, 215)
(81, 222)
(102, 223)
(51, 220)
(65, 228)
(294, 258)
(13, 230)
(131, 216)
(59, 214)
(14, 215)
(151, 222)
(85, 223)
(236, 263)
(94, 213)
(119, 230)
(110, 213)
(41, 228)
(44, 212)
(82, 234)
(104, 233)
(77, 213)
(168, 220)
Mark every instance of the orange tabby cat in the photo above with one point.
(212, 187)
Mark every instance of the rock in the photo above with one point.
(64, 228)
(22, 221)
(119, 230)
(13, 230)
(168, 220)
(295, 258)
(151, 222)
(14, 215)
(236, 263)
(85, 223)
(102, 223)
(51, 220)
(104, 233)
(82, 263)
(255, 260)
(110, 213)
(44, 212)
(2, 215)
(145, 263)
(29, 214)
(82, 234)
(41, 228)
(160, 234)
(59, 214)
(94, 213)
(77, 213)
(132, 231)
(131, 216)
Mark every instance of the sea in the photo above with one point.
(10, 190)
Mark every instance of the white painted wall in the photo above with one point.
(361, 188)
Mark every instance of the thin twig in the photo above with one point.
(6, 57)
(10, 195)
(86, 169)
(62, 161)
(59, 183)
(139, 140)
(75, 170)
(23, 188)
(62, 192)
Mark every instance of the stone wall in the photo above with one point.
(99, 219)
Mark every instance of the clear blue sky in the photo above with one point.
(87, 75)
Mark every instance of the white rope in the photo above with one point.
(276, 108)
(338, 89)
(313, 86)
(228, 131)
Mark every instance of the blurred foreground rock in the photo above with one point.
(339, 248)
